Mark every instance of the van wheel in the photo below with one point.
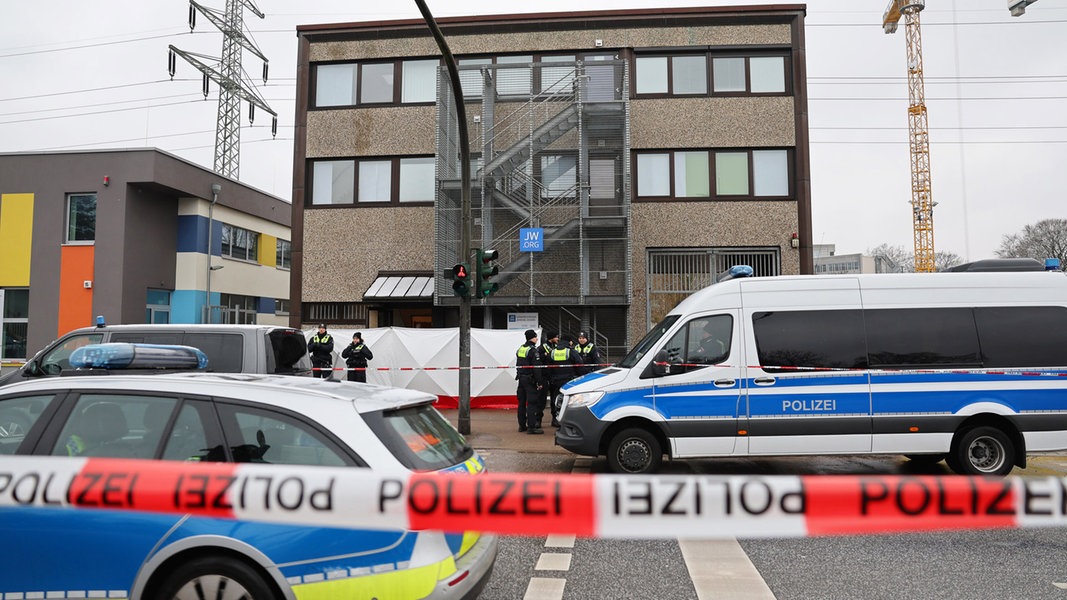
(215, 577)
(982, 451)
(634, 450)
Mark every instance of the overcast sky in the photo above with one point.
(93, 75)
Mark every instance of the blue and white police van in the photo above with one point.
(236, 418)
(970, 367)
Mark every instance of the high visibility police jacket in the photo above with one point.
(590, 358)
(357, 355)
(561, 363)
(321, 348)
(527, 356)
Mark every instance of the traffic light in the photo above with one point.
(461, 280)
(486, 270)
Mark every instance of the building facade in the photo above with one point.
(619, 161)
(124, 235)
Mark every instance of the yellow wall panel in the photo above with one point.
(268, 250)
(16, 237)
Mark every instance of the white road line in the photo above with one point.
(560, 541)
(543, 588)
(721, 569)
(1062, 586)
(553, 561)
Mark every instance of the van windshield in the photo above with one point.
(647, 342)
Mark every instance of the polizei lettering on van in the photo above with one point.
(809, 405)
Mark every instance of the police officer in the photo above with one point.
(548, 344)
(530, 390)
(561, 363)
(321, 349)
(356, 355)
(589, 353)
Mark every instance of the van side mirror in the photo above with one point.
(661, 364)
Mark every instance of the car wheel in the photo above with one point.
(983, 451)
(634, 450)
(216, 578)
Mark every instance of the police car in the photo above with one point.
(197, 416)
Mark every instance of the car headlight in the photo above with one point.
(584, 399)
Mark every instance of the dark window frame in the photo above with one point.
(398, 83)
(711, 55)
(713, 195)
(394, 183)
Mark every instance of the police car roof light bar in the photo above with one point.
(115, 356)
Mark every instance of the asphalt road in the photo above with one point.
(995, 564)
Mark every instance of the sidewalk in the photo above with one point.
(498, 429)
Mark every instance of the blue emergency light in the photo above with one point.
(1052, 264)
(735, 272)
(137, 356)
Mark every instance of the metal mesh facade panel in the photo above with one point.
(550, 143)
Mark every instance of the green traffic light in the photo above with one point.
(485, 271)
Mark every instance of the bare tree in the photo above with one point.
(1044, 239)
(897, 258)
(945, 260)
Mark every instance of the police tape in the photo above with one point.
(816, 371)
(597, 506)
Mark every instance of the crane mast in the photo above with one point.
(922, 203)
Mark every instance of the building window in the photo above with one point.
(81, 218)
(335, 85)
(284, 254)
(351, 313)
(237, 309)
(731, 75)
(240, 244)
(372, 181)
(281, 307)
(15, 304)
(157, 306)
(737, 174)
(559, 175)
(417, 179)
(333, 182)
(375, 181)
(375, 83)
(470, 78)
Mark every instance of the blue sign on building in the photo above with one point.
(531, 239)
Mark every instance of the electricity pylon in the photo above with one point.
(227, 73)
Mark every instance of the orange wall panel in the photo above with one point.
(75, 300)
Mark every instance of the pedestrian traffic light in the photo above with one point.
(486, 270)
(461, 280)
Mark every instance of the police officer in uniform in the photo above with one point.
(530, 390)
(589, 353)
(321, 350)
(356, 355)
(561, 363)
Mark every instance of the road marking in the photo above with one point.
(721, 569)
(560, 541)
(1062, 586)
(553, 561)
(543, 588)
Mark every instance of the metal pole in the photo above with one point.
(215, 189)
(465, 236)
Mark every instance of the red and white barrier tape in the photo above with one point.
(600, 506)
(1053, 372)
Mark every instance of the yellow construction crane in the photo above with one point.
(922, 203)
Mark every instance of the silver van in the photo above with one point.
(265, 349)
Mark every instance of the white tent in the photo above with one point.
(428, 360)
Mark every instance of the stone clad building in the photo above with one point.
(619, 161)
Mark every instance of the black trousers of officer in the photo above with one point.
(360, 375)
(323, 369)
(530, 408)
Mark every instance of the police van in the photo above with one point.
(229, 348)
(970, 367)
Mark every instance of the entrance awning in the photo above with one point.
(401, 288)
